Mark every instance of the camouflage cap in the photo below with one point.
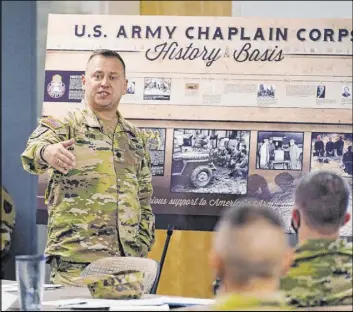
(121, 285)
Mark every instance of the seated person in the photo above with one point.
(249, 254)
(7, 223)
(321, 273)
(347, 161)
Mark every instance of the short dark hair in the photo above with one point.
(323, 198)
(107, 53)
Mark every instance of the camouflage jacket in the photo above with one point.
(7, 221)
(239, 302)
(321, 274)
(105, 199)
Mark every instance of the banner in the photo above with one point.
(224, 95)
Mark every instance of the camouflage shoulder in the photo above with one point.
(53, 123)
(130, 126)
(8, 208)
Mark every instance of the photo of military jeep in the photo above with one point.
(196, 166)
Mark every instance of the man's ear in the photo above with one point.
(295, 216)
(214, 261)
(346, 219)
(83, 79)
(125, 86)
(287, 261)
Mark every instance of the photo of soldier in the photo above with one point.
(265, 91)
(337, 155)
(157, 89)
(155, 138)
(278, 150)
(210, 161)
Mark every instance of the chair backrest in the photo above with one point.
(112, 265)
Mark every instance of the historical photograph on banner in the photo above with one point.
(278, 150)
(266, 91)
(210, 161)
(333, 152)
(156, 145)
(157, 89)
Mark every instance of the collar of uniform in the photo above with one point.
(316, 247)
(124, 123)
(91, 119)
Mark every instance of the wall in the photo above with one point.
(293, 9)
(18, 120)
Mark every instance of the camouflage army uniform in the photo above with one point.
(123, 285)
(321, 274)
(101, 208)
(240, 302)
(7, 221)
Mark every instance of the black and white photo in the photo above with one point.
(156, 145)
(210, 161)
(130, 87)
(346, 92)
(157, 89)
(266, 91)
(277, 150)
(333, 152)
(321, 92)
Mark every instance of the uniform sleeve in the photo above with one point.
(147, 224)
(49, 131)
(7, 221)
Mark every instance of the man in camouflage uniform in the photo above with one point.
(321, 273)
(7, 223)
(249, 266)
(99, 189)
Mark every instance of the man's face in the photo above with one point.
(346, 90)
(321, 89)
(104, 82)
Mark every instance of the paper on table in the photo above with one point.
(186, 301)
(163, 307)
(13, 287)
(7, 300)
(80, 303)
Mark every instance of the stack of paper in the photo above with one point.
(13, 287)
(7, 300)
(159, 302)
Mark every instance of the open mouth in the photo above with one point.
(103, 93)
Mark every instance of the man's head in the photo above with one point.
(346, 90)
(249, 245)
(319, 137)
(321, 202)
(104, 81)
(291, 142)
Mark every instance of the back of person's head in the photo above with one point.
(249, 243)
(322, 199)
